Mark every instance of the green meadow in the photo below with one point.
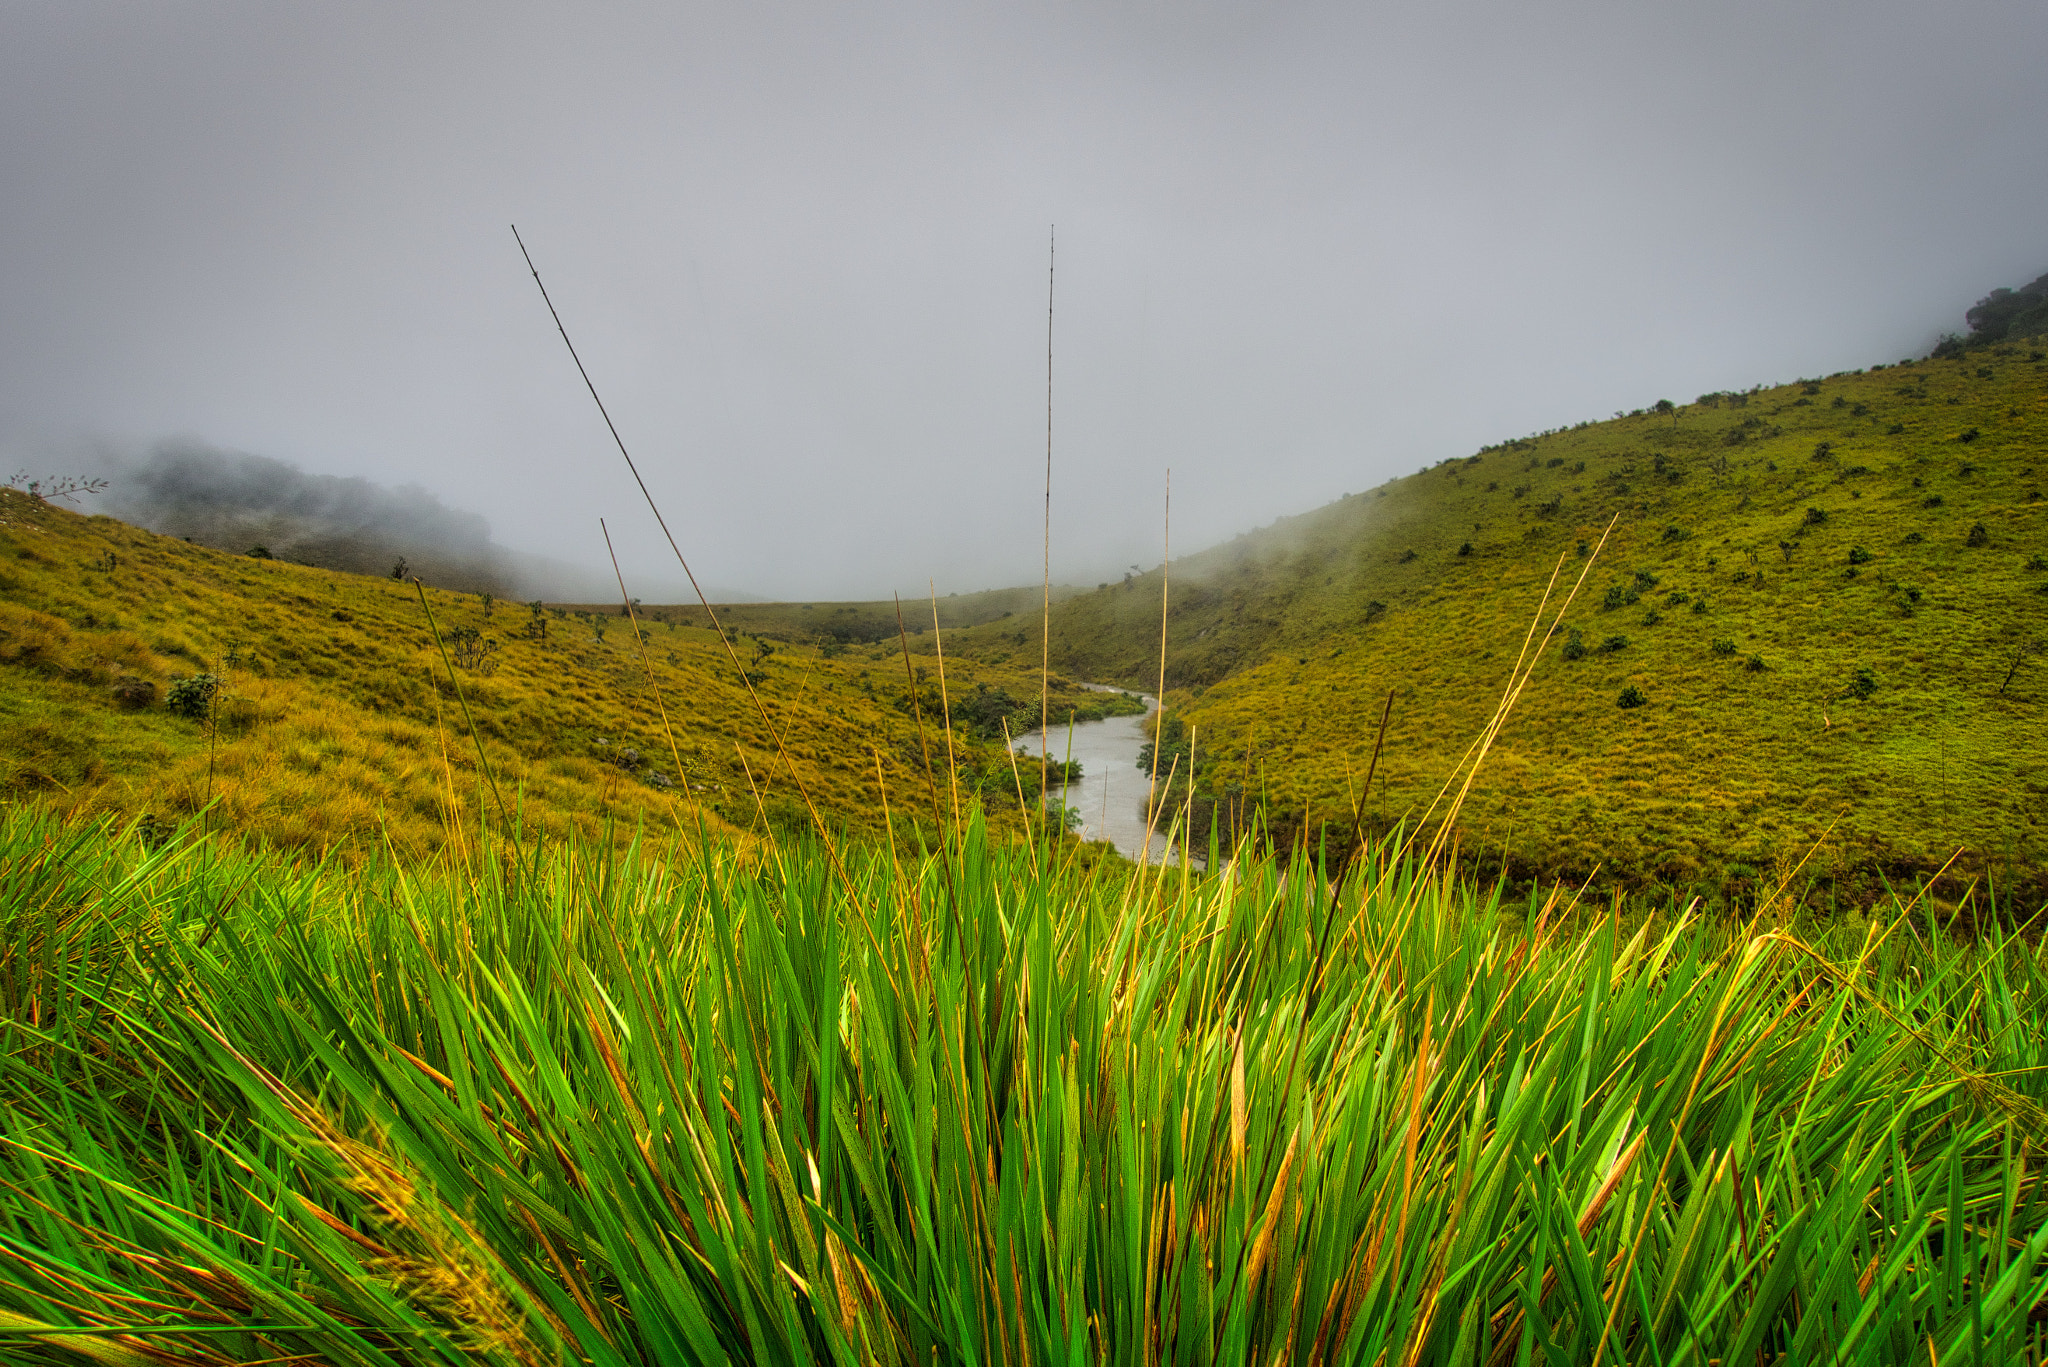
(673, 1102)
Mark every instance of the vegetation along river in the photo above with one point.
(1111, 793)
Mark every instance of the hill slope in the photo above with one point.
(337, 721)
(1830, 596)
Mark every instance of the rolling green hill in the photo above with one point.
(859, 623)
(335, 721)
(1816, 631)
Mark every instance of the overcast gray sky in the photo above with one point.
(802, 247)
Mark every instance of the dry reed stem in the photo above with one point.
(1045, 605)
(923, 744)
(647, 666)
(475, 736)
(724, 639)
(945, 705)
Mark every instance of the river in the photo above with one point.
(1111, 794)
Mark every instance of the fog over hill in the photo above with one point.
(237, 501)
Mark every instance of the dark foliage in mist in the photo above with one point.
(2003, 316)
(232, 500)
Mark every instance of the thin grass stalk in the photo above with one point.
(1045, 587)
(475, 736)
(724, 639)
(647, 666)
(945, 706)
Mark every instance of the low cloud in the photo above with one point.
(236, 501)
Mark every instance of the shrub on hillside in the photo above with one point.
(1858, 556)
(1723, 646)
(1631, 697)
(1979, 536)
(1814, 517)
(1756, 664)
(1574, 647)
(1613, 644)
(192, 697)
(1619, 596)
(1863, 684)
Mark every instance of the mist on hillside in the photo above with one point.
(237, 501)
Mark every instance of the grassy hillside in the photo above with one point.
(337, 721)
(1830, 598)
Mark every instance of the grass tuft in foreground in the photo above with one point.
(711, 1106)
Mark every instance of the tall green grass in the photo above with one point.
(716, 1105)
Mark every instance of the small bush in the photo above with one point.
(1407, 556)
(1614, 645)
(1979, 536)
(1931, 502)
(1374, 610)
(1652, 617)
(1896, 429)
(192, 697)
(1968, 434)
(1645, 580)
(1619, 596)
(2037, 563)
(1465, 549)
(1672, 534)
(1914, 538)
(260, 553)
(1724, 647)
(1863, 685)
(1814, 517)
(1574, 647)
(1631, 697)
(1699, 607)
(1858, 556)
(1756, 664)
(1677, 598)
